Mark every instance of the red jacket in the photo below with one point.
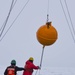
(29, 68)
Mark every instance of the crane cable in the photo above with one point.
(5, 20)
(48, 12)
(43, 45)
(42, 56)
(41, 60)
(14, 20)
(67, 20)
(4, 24)
(69, 16)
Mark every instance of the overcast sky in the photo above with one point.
(20, 42)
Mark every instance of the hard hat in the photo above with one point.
(31, 58)
(13, 62)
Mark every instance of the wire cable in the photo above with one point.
(43, 46)
(14, 20)
(69, 16)
(41, 60)
(14, 3)
(3, 27)
(48, 12)
(42, 56)
(67, 20)
(5, 20)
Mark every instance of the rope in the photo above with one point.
(14, 3)
(42, 56)
(69, 16)
(4, 25)
(41, 60)
(48, 12)
(14, 20)
(5, 20)
(43, 46)
(67, 20)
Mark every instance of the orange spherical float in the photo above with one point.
(47, 34)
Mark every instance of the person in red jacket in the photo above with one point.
(29, 67)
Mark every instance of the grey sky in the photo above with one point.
(20, 42)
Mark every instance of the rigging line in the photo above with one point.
(69, 16)
(3, 26)
(48, 12)
(41, 59)
(15, 20)
(14, 3)
(37, 71)
(67, 20)
(42, 56)
(6, 19)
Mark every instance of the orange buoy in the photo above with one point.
(47, 34)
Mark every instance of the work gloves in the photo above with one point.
(39, 67)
